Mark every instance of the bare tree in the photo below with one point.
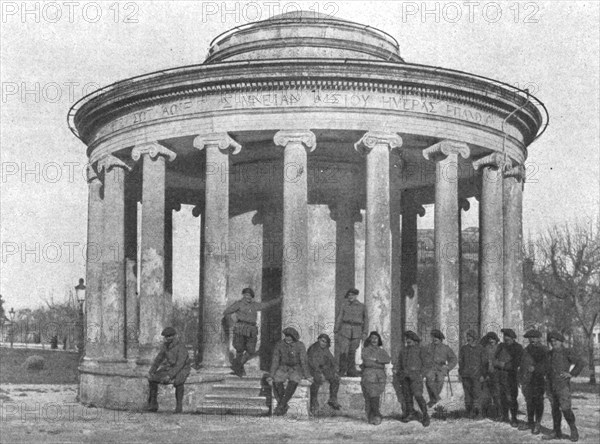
(566, 266)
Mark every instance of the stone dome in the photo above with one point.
(302, 35)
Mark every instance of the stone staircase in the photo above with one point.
(237, 396)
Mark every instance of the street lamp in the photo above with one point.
(12, 326)
(80, 294)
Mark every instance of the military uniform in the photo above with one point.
(507, 361)
(413, 363)
(289, 364)
(245, 330)
(351, 325)
(374, 359)
(532, 376)
(559, 387)
(443, 360)
(471, 359)
(491, 385)
(322, 368)
(171, 366)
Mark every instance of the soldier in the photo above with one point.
(490, 377)
(322, 368)
(289, 364)
(374, 359)
(443, 360)
(507, 361)
(470, 370)
(413, 363)
(245, 331)
(171, 366)
(560, 360)
(352, 325)
(532, 372)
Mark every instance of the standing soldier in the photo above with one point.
(533, 369)
(470, 370)
(245, 331)
(374, 360)
(490, 379)
(322, 368)
(351, 325)
(443, 360)
(507, 361)
(289, 364)
(413, 363)
(560, 360)
(171, 366)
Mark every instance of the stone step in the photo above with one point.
(231, 408)
(236, 399)
(240, 389)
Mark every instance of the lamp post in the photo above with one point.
(80, 294)
(12, 326)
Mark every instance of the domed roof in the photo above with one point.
(303, 34)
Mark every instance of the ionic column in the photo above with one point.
(113, 258)
(445, 306)
(298, 308)
(132, 324)
(465, 322)
(410, 261)
(376, 146)
(216, 244)
(513, 248)
(491, 239)
(153, 301)
(93, 299)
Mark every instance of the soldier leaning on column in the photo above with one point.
(491, 384)
(351, 325)
(322, 368)
(289, 364)
(532, 375)
(443, 360)
(507, 361)
(171, 366)
(560, 360)
(470, 370)
(413, 362)
(245, 331)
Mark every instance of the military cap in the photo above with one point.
(249, 291)
(169, 331)
(472, 334)
(412, 335)
(533, 334)
(438, 334)
(509, 332)
(556, 335)
(491, 335)
(291, 331)
(327, 338)
(352, 291)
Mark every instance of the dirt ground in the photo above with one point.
(50, 413)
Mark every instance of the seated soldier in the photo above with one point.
(322, 368)
(288, 364)
(171, 366)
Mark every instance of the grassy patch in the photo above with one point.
(60, 367)
(585, 388)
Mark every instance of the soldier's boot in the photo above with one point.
(278, 391)
(334, 386)
(314, 399)
(478, 416)
(375, 413)
(570, 417)
(179, 390)
(289, 392)
(530, 415)
(236, 365)
(423, 406)
(352, 372)
(556, 432)
(537, 428)
(343, 364)
(152, 405)
(539, 413)
(514, 422)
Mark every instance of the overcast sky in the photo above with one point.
(55, 52)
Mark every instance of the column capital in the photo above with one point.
(464, 204)
(410, 206)
(172, 206)
(197, 210)
(305, 137)
(443, 149)
(221, 140)
(153, 149)
(518, 172)
(372, 138)
(495, 160)
(91, 174)
(109, 162)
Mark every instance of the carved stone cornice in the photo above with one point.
(221, 140)
(173, 206)
(495, 160)
(445, 148)
(373, 138)
(463, 204)
(154, 150)
(518, 172)
(197, 210)
(109, 162)
(305, 137)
